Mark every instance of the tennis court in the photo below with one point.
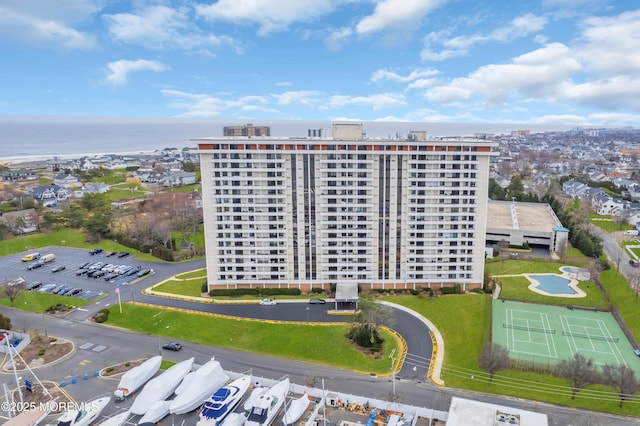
(547, 334)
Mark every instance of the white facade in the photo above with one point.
(314, 212)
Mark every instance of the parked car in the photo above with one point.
(112, 253)
(47, 288)
(85, 265)
(634, 263)
(172, 346)
(317, 301)
(123, 254)
(34, 285)
(96, 251)
(30, 257)
(34, 266)
(144, 272)
(267, 302)
(58, 268)
(632, 232)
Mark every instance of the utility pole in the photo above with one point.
(393, 358)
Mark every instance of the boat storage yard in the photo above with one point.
(338, 409)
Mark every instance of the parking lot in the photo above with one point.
(75, 271)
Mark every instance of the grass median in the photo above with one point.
(320, 344)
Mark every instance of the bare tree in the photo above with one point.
(622, 379)
(494, 358)
(11, 290)
(580, 372)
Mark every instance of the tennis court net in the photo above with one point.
(590, 336)
(529, 328)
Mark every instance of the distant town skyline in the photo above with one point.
(546, 62)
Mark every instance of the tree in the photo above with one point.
(5, 322)
(365, 324)
(11, 290)
(494, 358)
(189, 166)
(580, 372)
(623, 379)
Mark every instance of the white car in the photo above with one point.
(267, 302)
(632, 232)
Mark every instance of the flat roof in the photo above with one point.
(466, 412)
(528, 216)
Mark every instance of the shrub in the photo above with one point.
(317, 290)
(108, 369)
(204, 288)
(100, 317)
(41, 352)
(280, 291)
(478, 290)
(447, 290)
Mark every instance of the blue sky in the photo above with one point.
(544, 62)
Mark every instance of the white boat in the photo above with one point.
(85, 414)
(268, 405)
(184, 384)
(156, 412)
(135, 378)
(161, 387)
(201, 385)
(117, 419)
(295, 409)
(253, 397)
(223, 402)
(233, 419)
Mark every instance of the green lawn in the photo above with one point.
(510, 267)
(117, 194)
(188, 288)
(198, 273)
(302, 342)
(34, 301)
(187, 188)
(607, 224)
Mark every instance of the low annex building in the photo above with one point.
(519, 224)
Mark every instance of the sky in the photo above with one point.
(546, 62)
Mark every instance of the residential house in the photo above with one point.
(92, 188)
(67, 181)
(50, 194)
(177, 178)
(21, 221)
(573, 188)
(19, 175)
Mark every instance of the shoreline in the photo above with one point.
(22, 159)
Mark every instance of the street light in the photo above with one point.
(393, 371)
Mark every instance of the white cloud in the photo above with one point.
(47, 24)
(270, 15)
(161, 27)
(614, 118)
(396, 13)
(120, 70)
(519, 27)
(202, 105)
(301, 97)
(383, 74)
(377, 102)
(336, 38)
(560, 119)
(542, 73)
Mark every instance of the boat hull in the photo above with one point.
(268, 405)
(156, 412)
(161, 387)
(223, 402)
(135, 378)
(206, 380)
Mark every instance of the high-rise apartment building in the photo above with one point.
(246, 130)
(310, 212)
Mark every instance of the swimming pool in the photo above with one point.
(553, 284)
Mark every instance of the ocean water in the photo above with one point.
(42, 137)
